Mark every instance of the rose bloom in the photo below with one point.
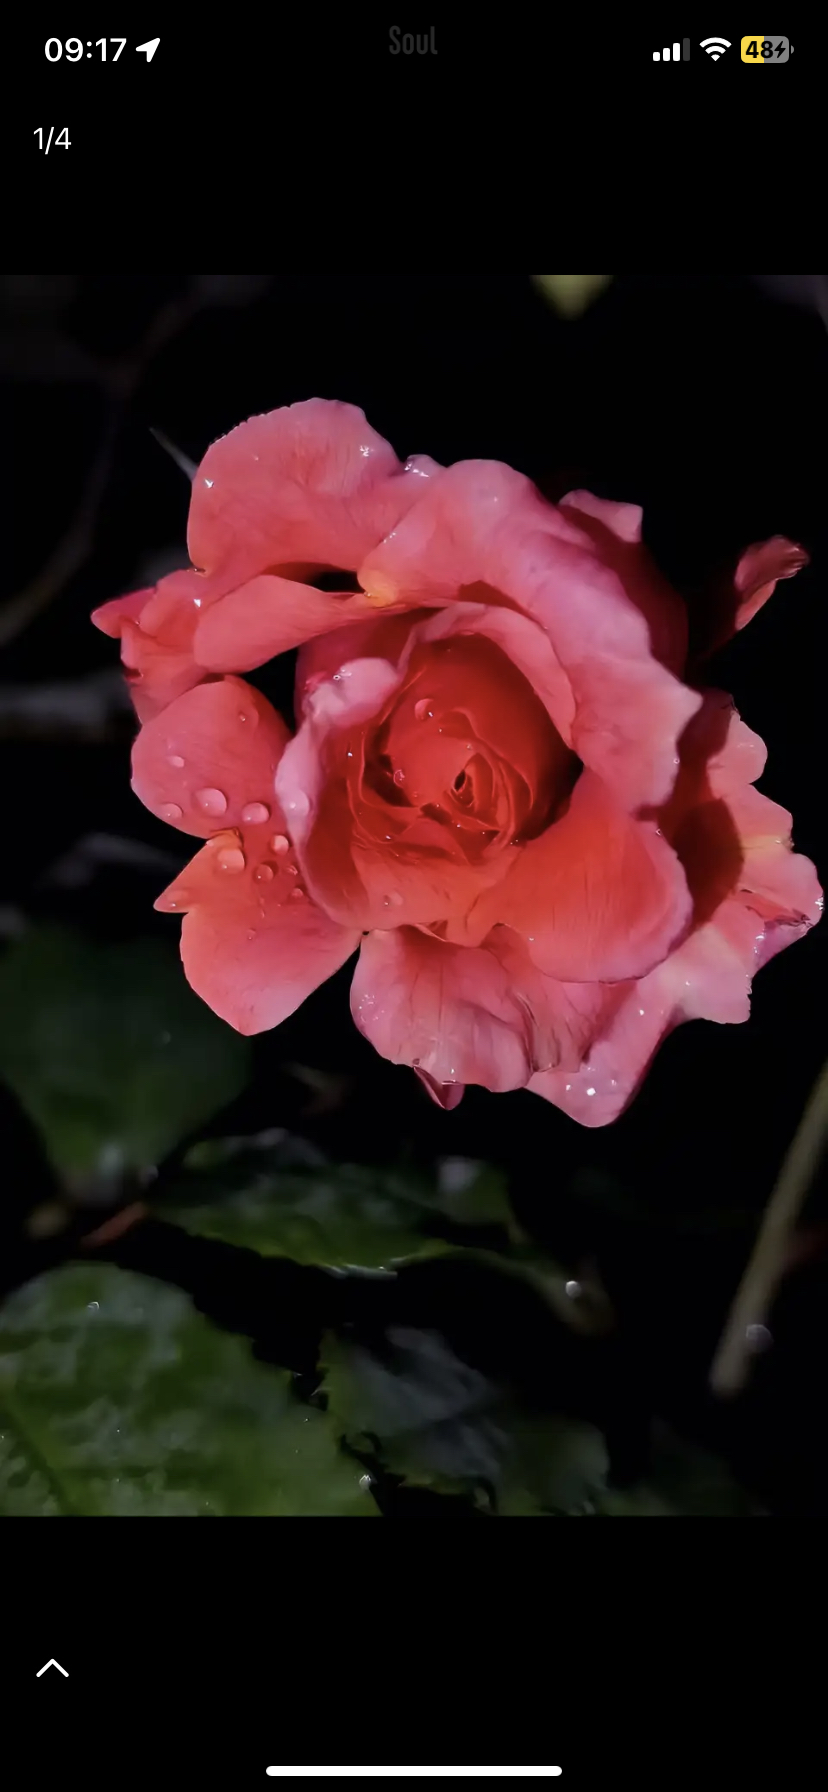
(545, 844)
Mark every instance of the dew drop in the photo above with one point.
(255, 812)
(590, 1091)
(297, 894)
(176, 760)
(231, 858)
(264, 874)
(393, 901)
(251, 933)
(573, 1289)
(279, 843)
(399, 777)
(213, 802)
(423, 709)
(171, 812)
(292, 870)
(758, 1338)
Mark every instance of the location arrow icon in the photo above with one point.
(149, 48)
(51, 1663)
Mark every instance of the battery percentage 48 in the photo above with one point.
(765, 49)
(50, 138)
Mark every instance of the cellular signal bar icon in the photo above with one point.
(678, 53)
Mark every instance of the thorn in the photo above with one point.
(181, 460)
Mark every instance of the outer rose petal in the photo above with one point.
(731, 602)
(156, 628)
(310, 483)
(483, 526)
(615, 530)
(449, 1011)
(773, 899)
(268, 616)
(460, 1014)
(211, 755)
(252, 950)
(598, 898)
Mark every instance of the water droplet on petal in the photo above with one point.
(297, 894)
(264, 874)
(292, 870)
(573, 1289)
(171, 812)
(176, 760)
(279, 843)
(393, 901)
(231, 858)
(423, 709)
(213, 802)
(251, 933)
(758, 1338)
(399, 777)
(299, 804)
(590, 1091)
(255, 812)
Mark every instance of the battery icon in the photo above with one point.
(675, 53)
(766, 49)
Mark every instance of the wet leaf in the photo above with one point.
(117, 1399)
(413, 1406)
(286, 1201)
(110, 1053)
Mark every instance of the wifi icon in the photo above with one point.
(715, 46)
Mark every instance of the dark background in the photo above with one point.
(703, 398)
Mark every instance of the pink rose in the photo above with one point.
(547, 845)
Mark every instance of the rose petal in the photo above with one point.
(382, 637)
(733, 599)
(252, 950)
(230, 740)
(311, 483)
(599, 897)
(268, 616)
(615, 532)
(447, 1011)
(485, 527)
(156, 628)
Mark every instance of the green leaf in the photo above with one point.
(110, 1052)
(423, 1414)
(341, 1216)
(117, 1399)
(438, 1422)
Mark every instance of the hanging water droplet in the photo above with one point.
(212, 801)
(255, 812)
(279, 843)
(399, 777)
(176, 760)
(171, 812)
(423, 709)
(264, 874)
(231, 858)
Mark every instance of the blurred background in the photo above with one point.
(471, 1313)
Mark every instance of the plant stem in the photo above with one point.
(769, 1257)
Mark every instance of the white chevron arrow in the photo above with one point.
(51, 1664)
